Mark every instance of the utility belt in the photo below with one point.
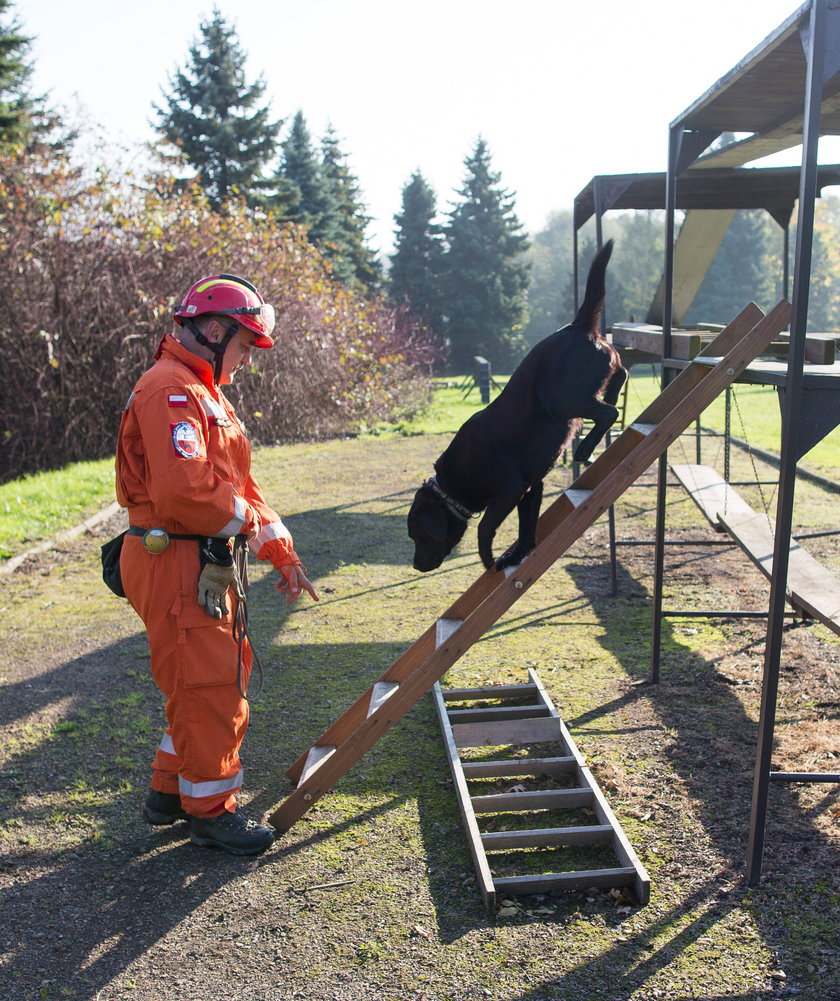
(155, 540)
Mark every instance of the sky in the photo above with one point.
(560, 90)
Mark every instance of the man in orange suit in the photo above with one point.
(183, 472)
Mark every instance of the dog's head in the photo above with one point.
(434, 528)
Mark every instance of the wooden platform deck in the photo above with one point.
(811, 588)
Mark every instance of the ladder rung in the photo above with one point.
(516, 767)
(577, 497)
(644, 429)
(488, 692)
(382, 691)
(486, 714)
(444, 628)
(580, 880)
(318, 754)
(546, 836)
(550, 799)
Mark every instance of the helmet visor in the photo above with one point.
(260, 319)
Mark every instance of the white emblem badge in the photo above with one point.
(185, 439)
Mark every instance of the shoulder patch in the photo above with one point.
(177, 400)
(185, 439)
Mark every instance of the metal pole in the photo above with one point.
(790, 425)
(674, 141)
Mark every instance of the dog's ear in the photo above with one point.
(432, 519)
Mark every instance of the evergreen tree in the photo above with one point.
(311, 204)
(486, 279)
(214, 117)
(417, 262)
(743, 270)
(18, 110)
(354, 263)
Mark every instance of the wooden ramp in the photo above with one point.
(414, 672)
(811, 589)
(493, 719)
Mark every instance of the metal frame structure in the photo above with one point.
(774, 189)
(785, 93)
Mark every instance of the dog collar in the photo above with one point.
(459, 510)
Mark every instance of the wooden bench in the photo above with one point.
(811, 588)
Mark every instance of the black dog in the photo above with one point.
(499, 457)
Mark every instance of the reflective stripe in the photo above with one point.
(128, 403)
(236, 523)
(213, 409)
(217, 281)
(274, 530)
(199, 789)
(166, 745)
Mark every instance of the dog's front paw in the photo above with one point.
(512, 558)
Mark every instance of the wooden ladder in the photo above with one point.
(415, 671)
(496, 718)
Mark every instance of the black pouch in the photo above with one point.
(111, 564)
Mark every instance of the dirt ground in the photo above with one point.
(372, 893)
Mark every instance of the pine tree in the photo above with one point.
(300, 174)
(214, 118)
(16, 104)
(486, 278)
(417, 261)
(354, 263)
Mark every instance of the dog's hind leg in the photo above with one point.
(528, 510)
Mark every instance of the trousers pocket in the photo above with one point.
(208, 650)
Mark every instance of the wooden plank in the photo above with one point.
(570, 881)
(541, 799)
(810, 586)
(547, 837)
(487, 692)
(529, 731)
(518, 767)
(483, 714)
(710, 492)
(648, 338)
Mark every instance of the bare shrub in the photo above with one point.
(90, 271)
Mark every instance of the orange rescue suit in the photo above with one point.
(183, 464)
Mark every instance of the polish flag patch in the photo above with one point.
(177, 400)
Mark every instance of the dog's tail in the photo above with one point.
(589, 314)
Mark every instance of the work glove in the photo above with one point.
(218, 573)
(282, 556)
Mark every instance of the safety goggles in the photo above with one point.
(265, 311)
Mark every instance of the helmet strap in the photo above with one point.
(218, 348)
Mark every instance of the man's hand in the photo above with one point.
(212, 588)
(293, 582)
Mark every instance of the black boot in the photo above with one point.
(232, 832)
(163, 808)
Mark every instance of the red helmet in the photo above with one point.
(228, 294)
